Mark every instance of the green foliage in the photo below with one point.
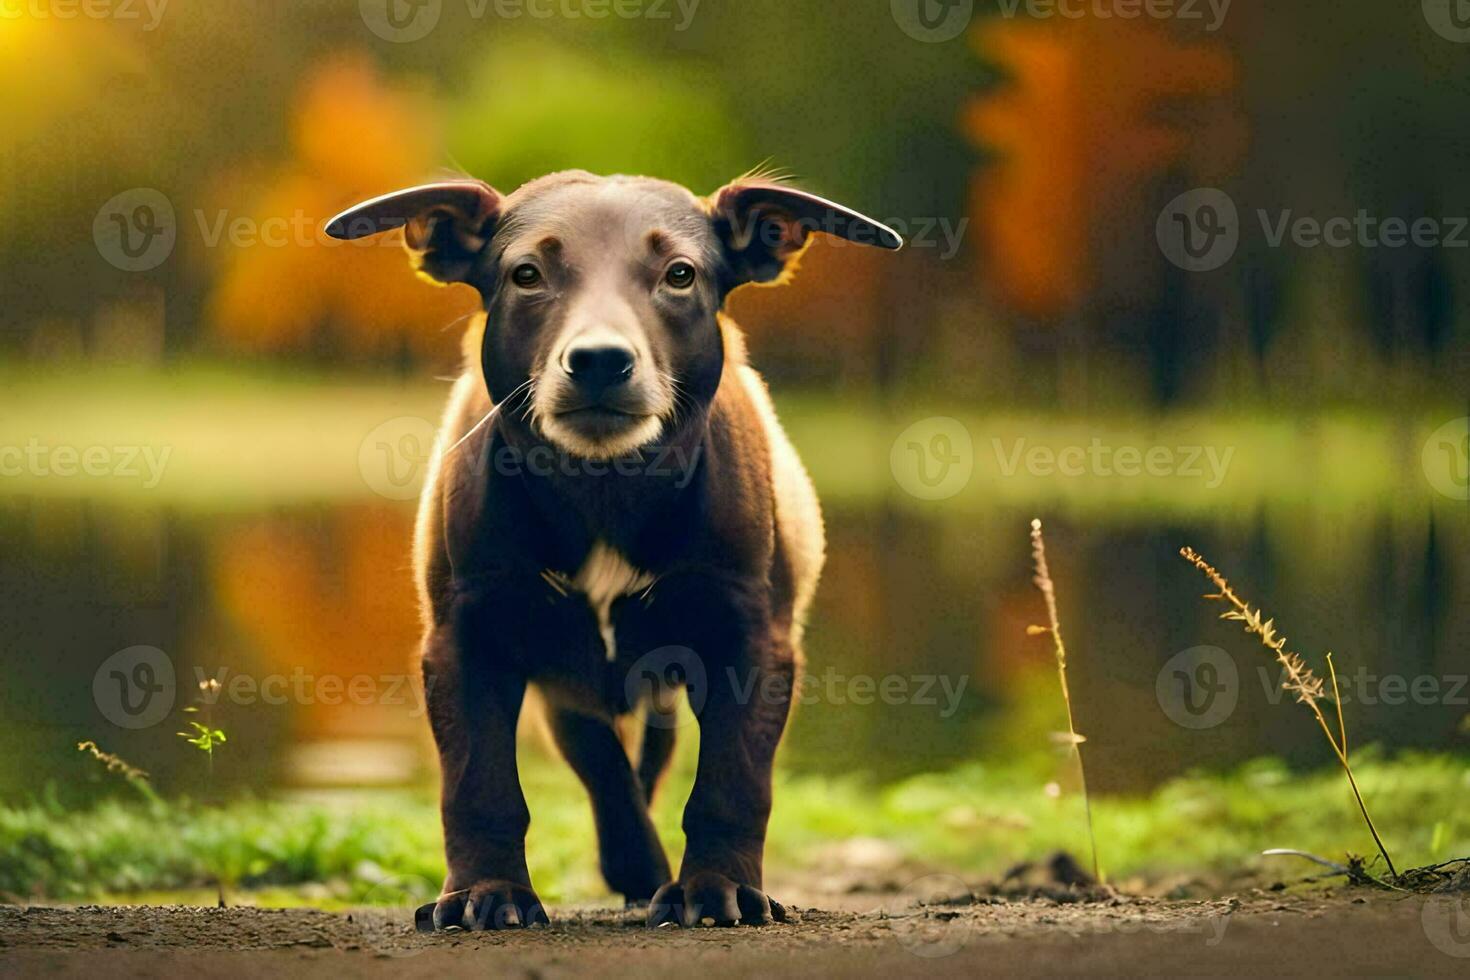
(384, 846)
(534, 107)
(202, 737)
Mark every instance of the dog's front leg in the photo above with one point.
(741, 720)
(473, 707)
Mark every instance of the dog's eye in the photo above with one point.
(525, 275)
(680, 275)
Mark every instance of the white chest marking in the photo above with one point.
(604, 577)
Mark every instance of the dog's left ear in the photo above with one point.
(445, 225)
(764, 225)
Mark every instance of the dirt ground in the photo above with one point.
(1258, 932)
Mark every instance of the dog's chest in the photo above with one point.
(605, 577)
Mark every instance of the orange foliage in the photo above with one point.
(282, 281)
(336, 601)
(1089, 113)
(832, 295)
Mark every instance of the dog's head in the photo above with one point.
(601, 293)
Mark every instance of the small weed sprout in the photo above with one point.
(1044, 584)
(1297, 678)
(205, 736)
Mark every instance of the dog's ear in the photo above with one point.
(445, 225)
(764, 225)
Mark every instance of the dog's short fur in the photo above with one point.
(613, 510)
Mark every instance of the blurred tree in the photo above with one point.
(1092, 111)
(282, 284)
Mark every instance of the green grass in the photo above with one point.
(244, 438)
(383, 847)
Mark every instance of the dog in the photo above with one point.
(612, 511)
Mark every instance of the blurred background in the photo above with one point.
(213, 421)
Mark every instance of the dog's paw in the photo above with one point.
(709, 898)
(487, 904)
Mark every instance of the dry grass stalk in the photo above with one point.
(1297, 678)
(135, 777)
(1043, 582)
(113, 763)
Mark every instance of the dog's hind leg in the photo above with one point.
(632, 859)
(657, 748)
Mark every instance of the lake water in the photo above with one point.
(918, 656)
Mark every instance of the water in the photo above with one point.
(918, 656)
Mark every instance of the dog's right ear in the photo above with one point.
(445, 225)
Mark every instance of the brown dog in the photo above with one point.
(613, 510)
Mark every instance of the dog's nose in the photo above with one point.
(595, 367)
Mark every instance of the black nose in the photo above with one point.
(597, 367)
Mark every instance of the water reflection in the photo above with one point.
(917, 654)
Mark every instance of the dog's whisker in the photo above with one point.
(487, 417)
